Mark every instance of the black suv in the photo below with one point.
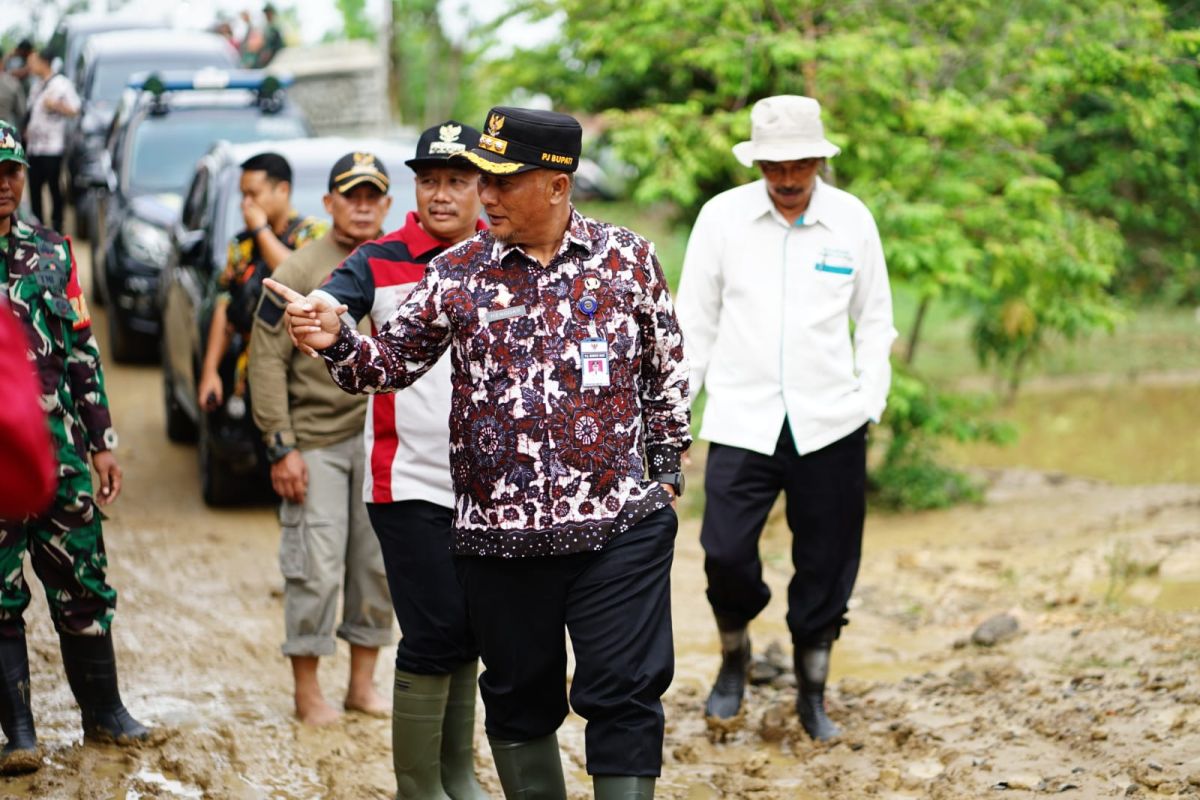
(233, 465)
(164, 124)
(107, 62)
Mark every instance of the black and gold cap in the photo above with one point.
(353, 169)
(439, 143)
(517, 140)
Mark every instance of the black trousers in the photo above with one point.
(45, 171)
(825, 493)
(616, 605)
(414, 535)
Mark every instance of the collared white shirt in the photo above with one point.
(47, 130)
(766, 311)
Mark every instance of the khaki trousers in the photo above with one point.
(327, 544)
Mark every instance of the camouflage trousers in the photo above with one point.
(66, 548)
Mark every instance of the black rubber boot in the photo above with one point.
(622, 787)
(725, 700)
(16, 716)
(812, 669)
(92, 672)
(530, 770)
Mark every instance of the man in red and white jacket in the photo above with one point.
(407, 486)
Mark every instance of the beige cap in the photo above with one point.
(786, 127)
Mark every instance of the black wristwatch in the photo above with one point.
(672, 479)
(276, 449)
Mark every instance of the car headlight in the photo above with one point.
(145, 242)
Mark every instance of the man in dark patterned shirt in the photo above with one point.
(569, 386)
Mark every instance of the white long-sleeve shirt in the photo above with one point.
(766, 309)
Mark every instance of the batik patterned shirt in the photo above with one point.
(541, 465)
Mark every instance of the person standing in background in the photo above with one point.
(313, 433)
(51, 104)
(776, 274)
(273, 230)
(272, 38)
(12, 98)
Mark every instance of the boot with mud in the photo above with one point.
(622, 787)
(20, 754)
(725, 700)
(458, 736)
(812, 670)
(91, 668)
(530, 770)
(418, 710)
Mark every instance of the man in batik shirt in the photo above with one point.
(568, 419)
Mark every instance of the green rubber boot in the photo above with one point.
(622, 787)
(530, 770)
(418, 707)
(458, 736)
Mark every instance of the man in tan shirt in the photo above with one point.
(313, 432)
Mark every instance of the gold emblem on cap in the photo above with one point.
(449, 133)
(495, 123)
(364, 160)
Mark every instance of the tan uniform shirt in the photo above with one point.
(295, 402)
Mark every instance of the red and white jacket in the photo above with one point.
(407, 435)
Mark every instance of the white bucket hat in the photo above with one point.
(786, 127)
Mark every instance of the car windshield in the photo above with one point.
(166, 148)
(308, 189)
(110, 75)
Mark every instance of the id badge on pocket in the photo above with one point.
(593, 358)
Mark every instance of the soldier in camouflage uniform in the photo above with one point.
(38, 276)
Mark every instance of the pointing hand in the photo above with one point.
(312, 323)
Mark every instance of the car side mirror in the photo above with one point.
(102, 179)
(191, 246)
(102, 176)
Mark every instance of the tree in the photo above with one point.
(436, 75)
(355, 24)
(1010, 152)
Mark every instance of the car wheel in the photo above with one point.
(217, 485)
(127, 345)
(180, 427)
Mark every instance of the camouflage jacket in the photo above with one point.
(43, 290)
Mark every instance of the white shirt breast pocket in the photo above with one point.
(829, 283)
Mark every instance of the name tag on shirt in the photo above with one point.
(593, 358)
(836, 261)
(505, 313)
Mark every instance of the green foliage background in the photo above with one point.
(1032, 164)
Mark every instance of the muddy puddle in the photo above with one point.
(1121, 431)
(1096, 695)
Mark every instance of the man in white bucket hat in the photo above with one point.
(775, 272)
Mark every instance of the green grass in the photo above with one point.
(1153, 338)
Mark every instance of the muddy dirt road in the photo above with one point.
(1096, 695)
